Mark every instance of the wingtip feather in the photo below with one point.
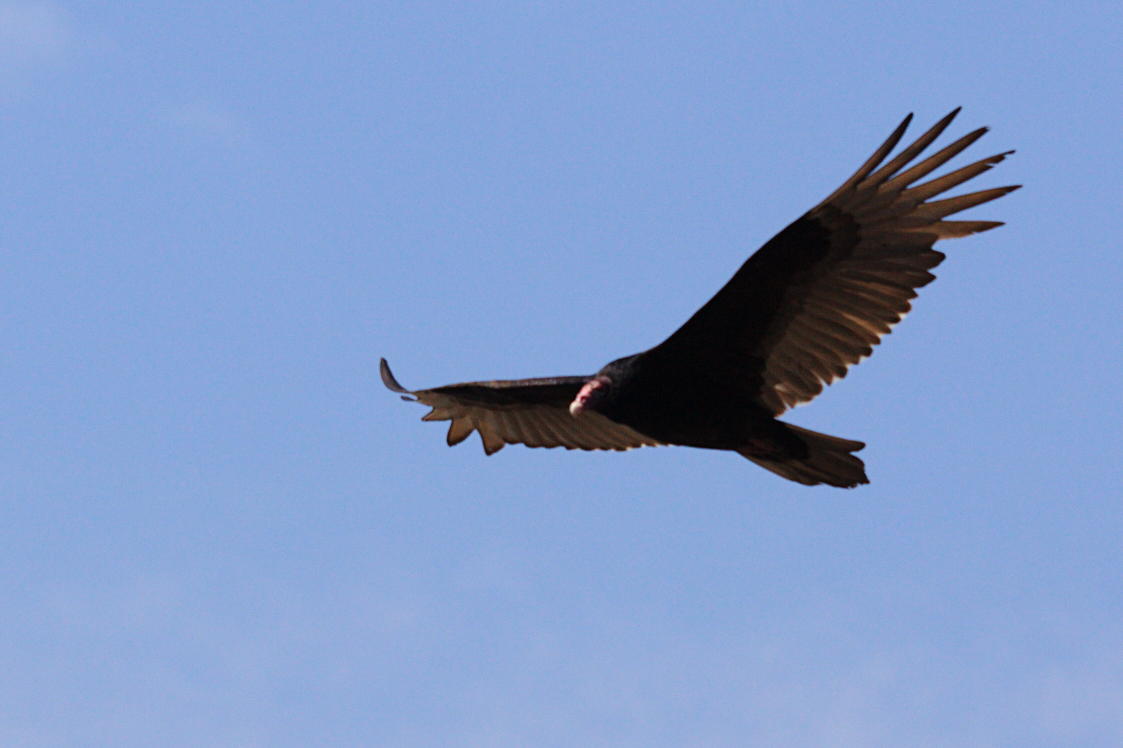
(459, 430)
(388, 379)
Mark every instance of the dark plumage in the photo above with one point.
(807, 305)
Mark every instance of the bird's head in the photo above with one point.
(591, 393)
(604, 391)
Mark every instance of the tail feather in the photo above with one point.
(824, 459)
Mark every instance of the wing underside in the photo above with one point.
(534, 412)
(818, 297)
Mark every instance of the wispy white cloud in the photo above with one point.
(34, 33)
(207, 119)
(1082, 704)
(34, 36)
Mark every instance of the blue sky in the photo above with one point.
(216, 527)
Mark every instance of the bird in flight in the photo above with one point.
(806, 306)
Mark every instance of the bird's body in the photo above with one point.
(810, 303)
(673, 404)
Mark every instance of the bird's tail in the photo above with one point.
(809, 457)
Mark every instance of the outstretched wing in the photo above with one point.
(534, 412)
(819, 295)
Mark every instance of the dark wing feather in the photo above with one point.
(534, 412)
(819, 295)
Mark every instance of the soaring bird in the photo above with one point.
(806, 306)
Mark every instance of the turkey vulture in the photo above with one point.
(807, 305)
